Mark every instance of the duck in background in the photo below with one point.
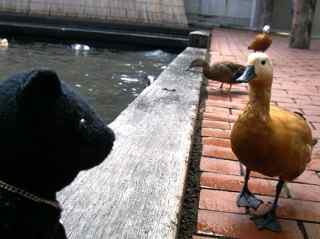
(4, 43)
(268, 139)
(224, 72)
(262, 40)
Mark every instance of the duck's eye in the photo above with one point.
(263, 62)
(82, 122)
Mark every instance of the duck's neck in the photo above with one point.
(259, 102)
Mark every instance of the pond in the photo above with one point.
(109, 78)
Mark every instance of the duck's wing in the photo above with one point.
(292, 125)
(292, 142)
(224, 71)
(220, 72)
(314, 140)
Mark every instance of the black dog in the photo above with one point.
(47, 135)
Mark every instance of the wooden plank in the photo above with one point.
(157, 12)
(137, 192)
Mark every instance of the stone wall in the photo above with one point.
(150, 12)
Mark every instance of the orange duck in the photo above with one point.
(262, 40)
(268, 139)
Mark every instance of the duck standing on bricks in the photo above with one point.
(268, 139)
(224, 72)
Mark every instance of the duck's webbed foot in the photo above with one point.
(267, 221)
(247, 199)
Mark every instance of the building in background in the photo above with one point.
(163, 13)
(242, 13)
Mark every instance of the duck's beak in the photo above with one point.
(247, 75)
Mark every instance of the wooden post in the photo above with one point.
(303, 12)
(200, 39)
(266, 17)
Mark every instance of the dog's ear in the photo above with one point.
(40, 89)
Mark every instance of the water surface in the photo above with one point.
(109, 78)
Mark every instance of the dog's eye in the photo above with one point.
(263, 62)
(82, 122)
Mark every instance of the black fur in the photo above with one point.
(44, 144)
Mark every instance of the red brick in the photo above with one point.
(312, 229)
(308, 177)
(219, 201)
(254, 174)
(219, 166)
(304, 191)
(290, 107)
(219, 97)
(317, 125)
(315, 100)
(216, 142)
(240, 226)
(313, 118)
(279, 93)
(225, 104)
(297, 209)
(315, 112)
(235, 183)
(302, 92)
(218, 152)
(282, 99)
(236, 112)
(316, 133)
(240, 98)
(309, 106)
(217, 133)
(314, 165)
(224, 201)
(219, 117)
(219, 110)
(215, 124)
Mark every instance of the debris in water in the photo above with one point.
(80, 47)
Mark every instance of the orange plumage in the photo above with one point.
(262, 41)
(268, 139)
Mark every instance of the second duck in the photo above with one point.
(224, 72)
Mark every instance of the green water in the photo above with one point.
(109, 78)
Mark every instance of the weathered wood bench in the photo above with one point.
(137, 191)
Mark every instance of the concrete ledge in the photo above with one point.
(137, 192)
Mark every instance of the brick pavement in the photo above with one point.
(296, 86)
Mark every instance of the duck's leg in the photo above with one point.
(221, 86)
(246, 198)
(229, 90)
(269, 220)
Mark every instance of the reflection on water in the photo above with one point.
(109, 78)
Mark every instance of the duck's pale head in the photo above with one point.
(266, 29)
(258, 71)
